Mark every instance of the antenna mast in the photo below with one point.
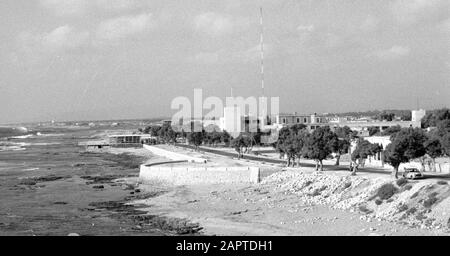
(262, 51)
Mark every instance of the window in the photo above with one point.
(298, 120)
(304, 120)
(284, 120)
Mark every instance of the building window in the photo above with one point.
(284, 120)
(298, 120)
(304, 120)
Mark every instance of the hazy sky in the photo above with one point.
(102, 59)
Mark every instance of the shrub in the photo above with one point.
(402, 207)
(378, 201)
(420, 216)
(316, 192)
(407, 187)
(386, 191)
(364, 209)
(442, 182)
(348, 184)
(411, 210)
(402, 181)
(414, 195)
(427, 203)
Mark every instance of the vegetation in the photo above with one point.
(432, 199)
(365, 149)
(319, 144)
(435, 117)
(344, 138)
(291, 141)
(405, 145)
(296, 142)
(402, 181)
(391, 130)
(386, 191)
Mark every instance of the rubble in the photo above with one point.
(378, 198)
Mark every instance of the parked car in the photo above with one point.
(412, 173)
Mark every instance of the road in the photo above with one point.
(326, 167)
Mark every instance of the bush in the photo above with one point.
(441, 182)
(364, 209)
(378, 201)
(402, 181)
(411, 210)
(348, 184)
(386, 191)
(407, 187)
(420, 216)
(414, 195)
(427, 203)
(402, 207)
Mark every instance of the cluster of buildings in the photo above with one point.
(234, 122)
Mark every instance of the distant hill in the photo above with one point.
(376, 114)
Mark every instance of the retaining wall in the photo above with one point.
(199, 175)
(173, 155)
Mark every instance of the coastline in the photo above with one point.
(261, 209)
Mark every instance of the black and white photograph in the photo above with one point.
(199, 118)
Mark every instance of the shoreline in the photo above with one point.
(259, 209)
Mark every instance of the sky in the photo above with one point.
(114, 59)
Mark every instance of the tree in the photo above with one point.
(385, 116)
(433, 117)
(196, 139)
(318, 145)
(238, 144)
(391, 130)
(373, 130)
(225, 138)
(363, 150)
(405, 145)
(167, 134)
(445, 142)
(433, 149)
(341, 145)
(290, 142)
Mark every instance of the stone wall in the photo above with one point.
(199, 175)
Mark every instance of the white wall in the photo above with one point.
(174, 155)
(199, 175)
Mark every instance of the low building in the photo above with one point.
(129, 140)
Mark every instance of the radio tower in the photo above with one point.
(262, 51)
